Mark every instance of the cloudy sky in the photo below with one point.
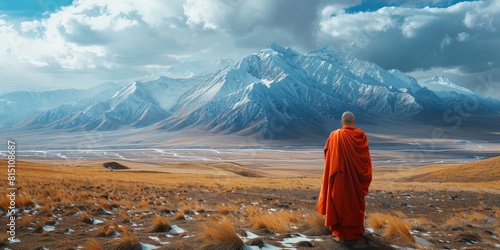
(49, 44)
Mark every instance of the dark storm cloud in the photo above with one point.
(112, 39)
(260, 22)
(463, 36)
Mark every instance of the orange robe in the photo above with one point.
(346, 177)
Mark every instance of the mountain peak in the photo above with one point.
(327, 49)
(441, 80)
(276, 49)
(442, 83)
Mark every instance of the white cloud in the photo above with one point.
(209, 13)
(446, 41)
(483, 15)
(419, 35)
(463, 36)
(114, 40)
(413, 24)
(348, 26)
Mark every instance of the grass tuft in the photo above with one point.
(25, 221)
(160, 225)
(23, 200)
(92, 245)
(105, 231)
(279, 222)
(86, 218)
(316, 225)
(180, 216)
(395, 229)
(221, 235)
(4, 202)
(223, 209)
(128, 242)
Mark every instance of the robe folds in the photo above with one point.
(346, 178)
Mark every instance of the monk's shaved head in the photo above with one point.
(348, 118)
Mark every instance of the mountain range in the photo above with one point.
(277, 92)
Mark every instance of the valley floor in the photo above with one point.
(83, 205)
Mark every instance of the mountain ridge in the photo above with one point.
(276, 92)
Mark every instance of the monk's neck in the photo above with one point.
(348, 127)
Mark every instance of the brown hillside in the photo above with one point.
(479, 171)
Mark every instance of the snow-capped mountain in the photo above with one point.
(136, 104)
(451, 92)
(197, 68)
(277, 92)
(442, 86)
(17, 107)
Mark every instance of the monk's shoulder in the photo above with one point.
(359, 130)
(335, 132)
(360, 133)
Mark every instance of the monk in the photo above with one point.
(346, 178)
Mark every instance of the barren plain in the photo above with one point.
(264, 200)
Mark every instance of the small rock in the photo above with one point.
(305, 244)
(256, 242)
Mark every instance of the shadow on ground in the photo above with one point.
(371, 243)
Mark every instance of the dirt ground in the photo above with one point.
(64, 205)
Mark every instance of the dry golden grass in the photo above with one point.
(123, 216)
(4, 202)
(86, 218)
(143, 204)
(220, 235)
(128, 241)
(315, 224)
(466, 218)
(180, 216)
(252, 211)
(160, 224)
(46, 210)
(71, 211)
(105, 231)
(226, 209)
(480, 171)
(419, 222)
(92, 244)
(84, 195)
(26, 221)
(23, 200)
(394, 229)
(137, 196)
(279, 222)
(391, 185)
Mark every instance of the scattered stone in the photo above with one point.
(489, 232)
(305, 244)
(114, 165)
(256, 242)
(285, 206)
(468, 237)
(88, 221)
(170, 211)
(266, 231)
